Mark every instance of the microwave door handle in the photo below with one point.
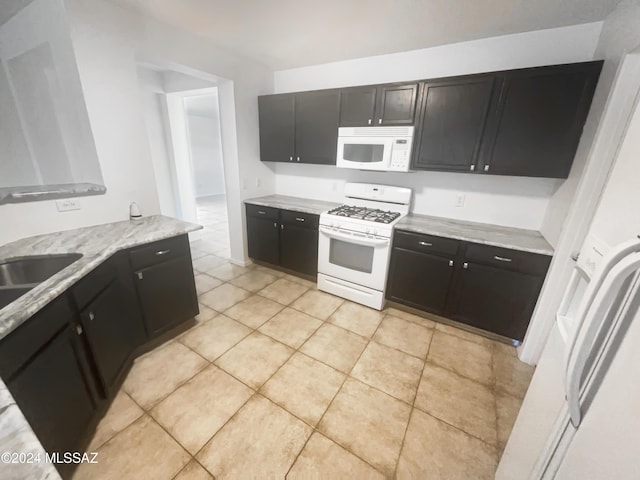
(368, 242)
(610, 260)
(601, 317)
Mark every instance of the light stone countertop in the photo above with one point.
(506, 237)
(297, 204)
(96, 243)
(16, 436)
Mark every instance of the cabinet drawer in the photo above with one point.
(516, 260)
(157, 252)
(289, 217)
(426, 243)
(262, 212)
(19, 346)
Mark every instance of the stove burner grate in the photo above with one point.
(365, 213)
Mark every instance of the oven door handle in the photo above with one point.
(360, 240)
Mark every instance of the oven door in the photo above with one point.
(354, 257)
(364, 153)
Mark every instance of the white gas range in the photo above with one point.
(354, 247)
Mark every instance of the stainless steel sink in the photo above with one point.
(21, 274)
(31, 270)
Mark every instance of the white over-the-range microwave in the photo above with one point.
(386, 149)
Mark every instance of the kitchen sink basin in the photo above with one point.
(27, 271)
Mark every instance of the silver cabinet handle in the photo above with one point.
(291, 158)
(425, 244)
(451, 263)
(162, 252)
(281, 227)
(369, 122)
(297, 159)
(140, 276)
(472, 167)
(379, 121)
(275, 225)
(502, 259)
(78, 329)
(465, 265)
(300, 219)
(261, 212)
(91, 316)
(486, 168)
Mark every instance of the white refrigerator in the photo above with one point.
(581, 416)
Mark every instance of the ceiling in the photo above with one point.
(292, 33)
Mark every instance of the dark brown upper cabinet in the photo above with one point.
(537, 120)
(276, 115)
(454, 114)
(300, 127)
(393, 104)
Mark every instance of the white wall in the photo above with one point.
(205, 145)
(512, 201)
(154, 107)
(108, 41)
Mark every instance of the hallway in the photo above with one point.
(213, 239)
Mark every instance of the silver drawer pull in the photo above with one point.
(300, 219)
(465, 265)
(78, 329)
(502, 259)
(425, 244)
(140, 275)
(91, 316)
(162, 252)
(261, 212)
(451, 263)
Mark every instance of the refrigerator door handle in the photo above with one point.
(603, 314)
(594, 286)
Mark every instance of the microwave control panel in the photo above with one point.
(400, 155)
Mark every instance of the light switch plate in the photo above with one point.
(460, 198)
(68, 204)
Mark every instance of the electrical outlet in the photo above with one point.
(68, 204)
(460, 198)
(257, 181)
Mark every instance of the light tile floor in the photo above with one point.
(278, 379)
(214, 237)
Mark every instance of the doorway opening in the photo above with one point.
(207, 173)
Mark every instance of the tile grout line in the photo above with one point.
(413, 406)
(316, 429)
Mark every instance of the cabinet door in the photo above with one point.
(299, 249)
(52, 391)
(112, 323)
(167, 294)
(357, 107)
(317, 127)
(277, 125)
(539, 120)
(494, 299)
(419, 280)
(263, 237)
(453, 116)
(397, 104)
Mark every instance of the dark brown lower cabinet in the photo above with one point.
(54, 389)
(167, 294)
(491, 288)
(420, 280)
(495, 299)
(283, 238)
(64, 365)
